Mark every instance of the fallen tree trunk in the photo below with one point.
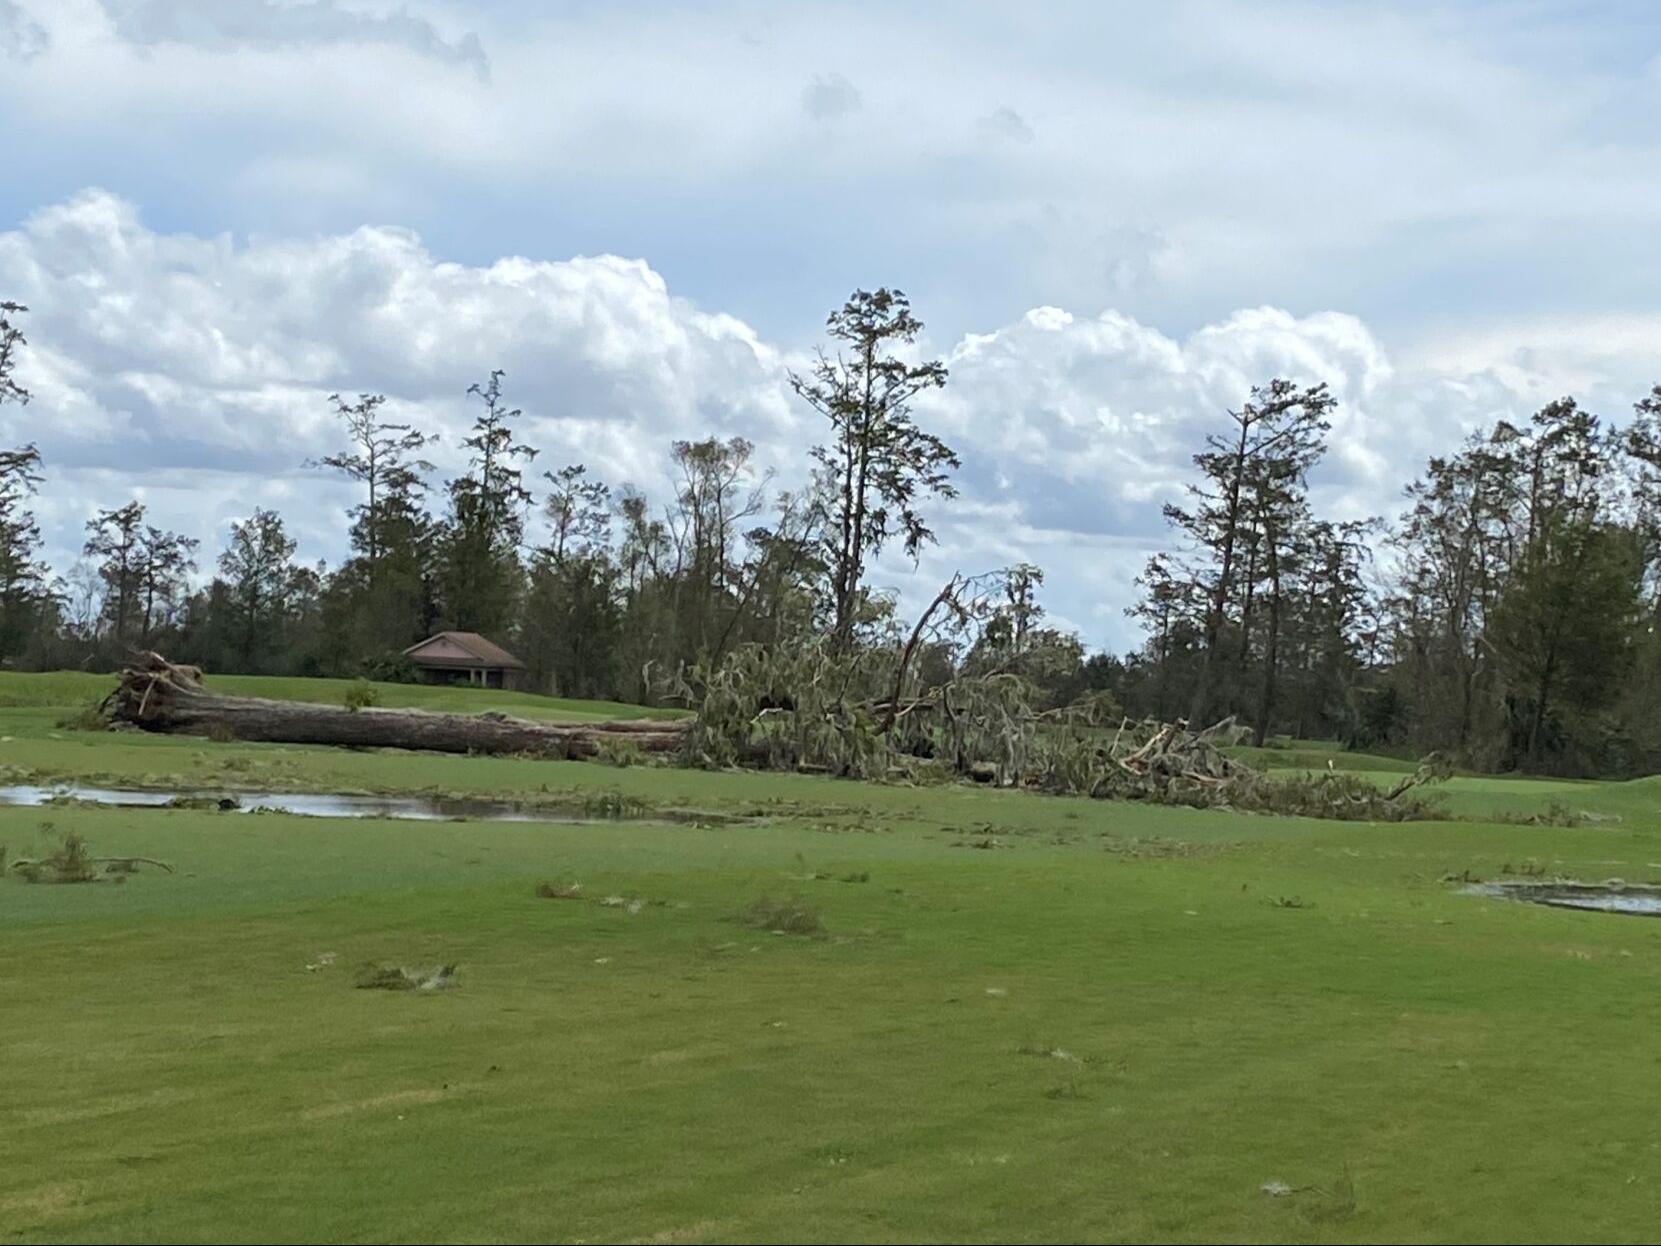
(156, 695)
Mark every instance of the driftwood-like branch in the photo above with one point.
(157, 695)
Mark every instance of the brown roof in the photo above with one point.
(461, 649)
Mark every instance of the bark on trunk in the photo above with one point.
(158, 696)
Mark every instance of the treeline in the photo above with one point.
(1506, 617)
(620, 595)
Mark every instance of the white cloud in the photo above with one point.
(1106, 410)
(194, 372)
(157, 358)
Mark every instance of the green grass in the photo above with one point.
(1312, 755)
(1104, 1026)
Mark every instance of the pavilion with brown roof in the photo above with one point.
(466, 658)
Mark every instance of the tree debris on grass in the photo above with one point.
(377, 977)
(71, 861)
(812, 708)
(559, 891)
(817, 708)
(784, 917)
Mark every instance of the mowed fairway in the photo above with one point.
(1028, 1018)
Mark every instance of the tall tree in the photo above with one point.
(1331, 628)
(383, 598)
(578, 510)
(384, 457)
(568, 629)
(260, 582)
(1642, 446)
(23, 587)
(165, 561)
(878, 467)
(116, 539)
(1456, 546)
(1173, 612)
(779, 578)
(1281, 518)
(1272, 440)
(717, 493)
(22, 575)
(482, 570)
(1564, 621)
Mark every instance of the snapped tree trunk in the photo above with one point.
(156, 695)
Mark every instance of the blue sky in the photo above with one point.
(1113, 218)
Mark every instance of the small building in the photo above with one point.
(466, 658)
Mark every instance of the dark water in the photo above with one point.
(316, 805)
(1640, 901)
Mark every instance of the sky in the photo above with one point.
(1113, 220)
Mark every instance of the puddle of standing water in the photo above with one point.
(1639, 901)
(339, 805)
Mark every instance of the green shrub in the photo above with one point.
(390, 668)
(360, 693)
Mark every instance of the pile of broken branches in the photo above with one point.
(817, 710)
(1173, 765)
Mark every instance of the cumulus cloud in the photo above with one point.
(271, 24)
(193, 371)
(829, 96)
(1102, 412)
